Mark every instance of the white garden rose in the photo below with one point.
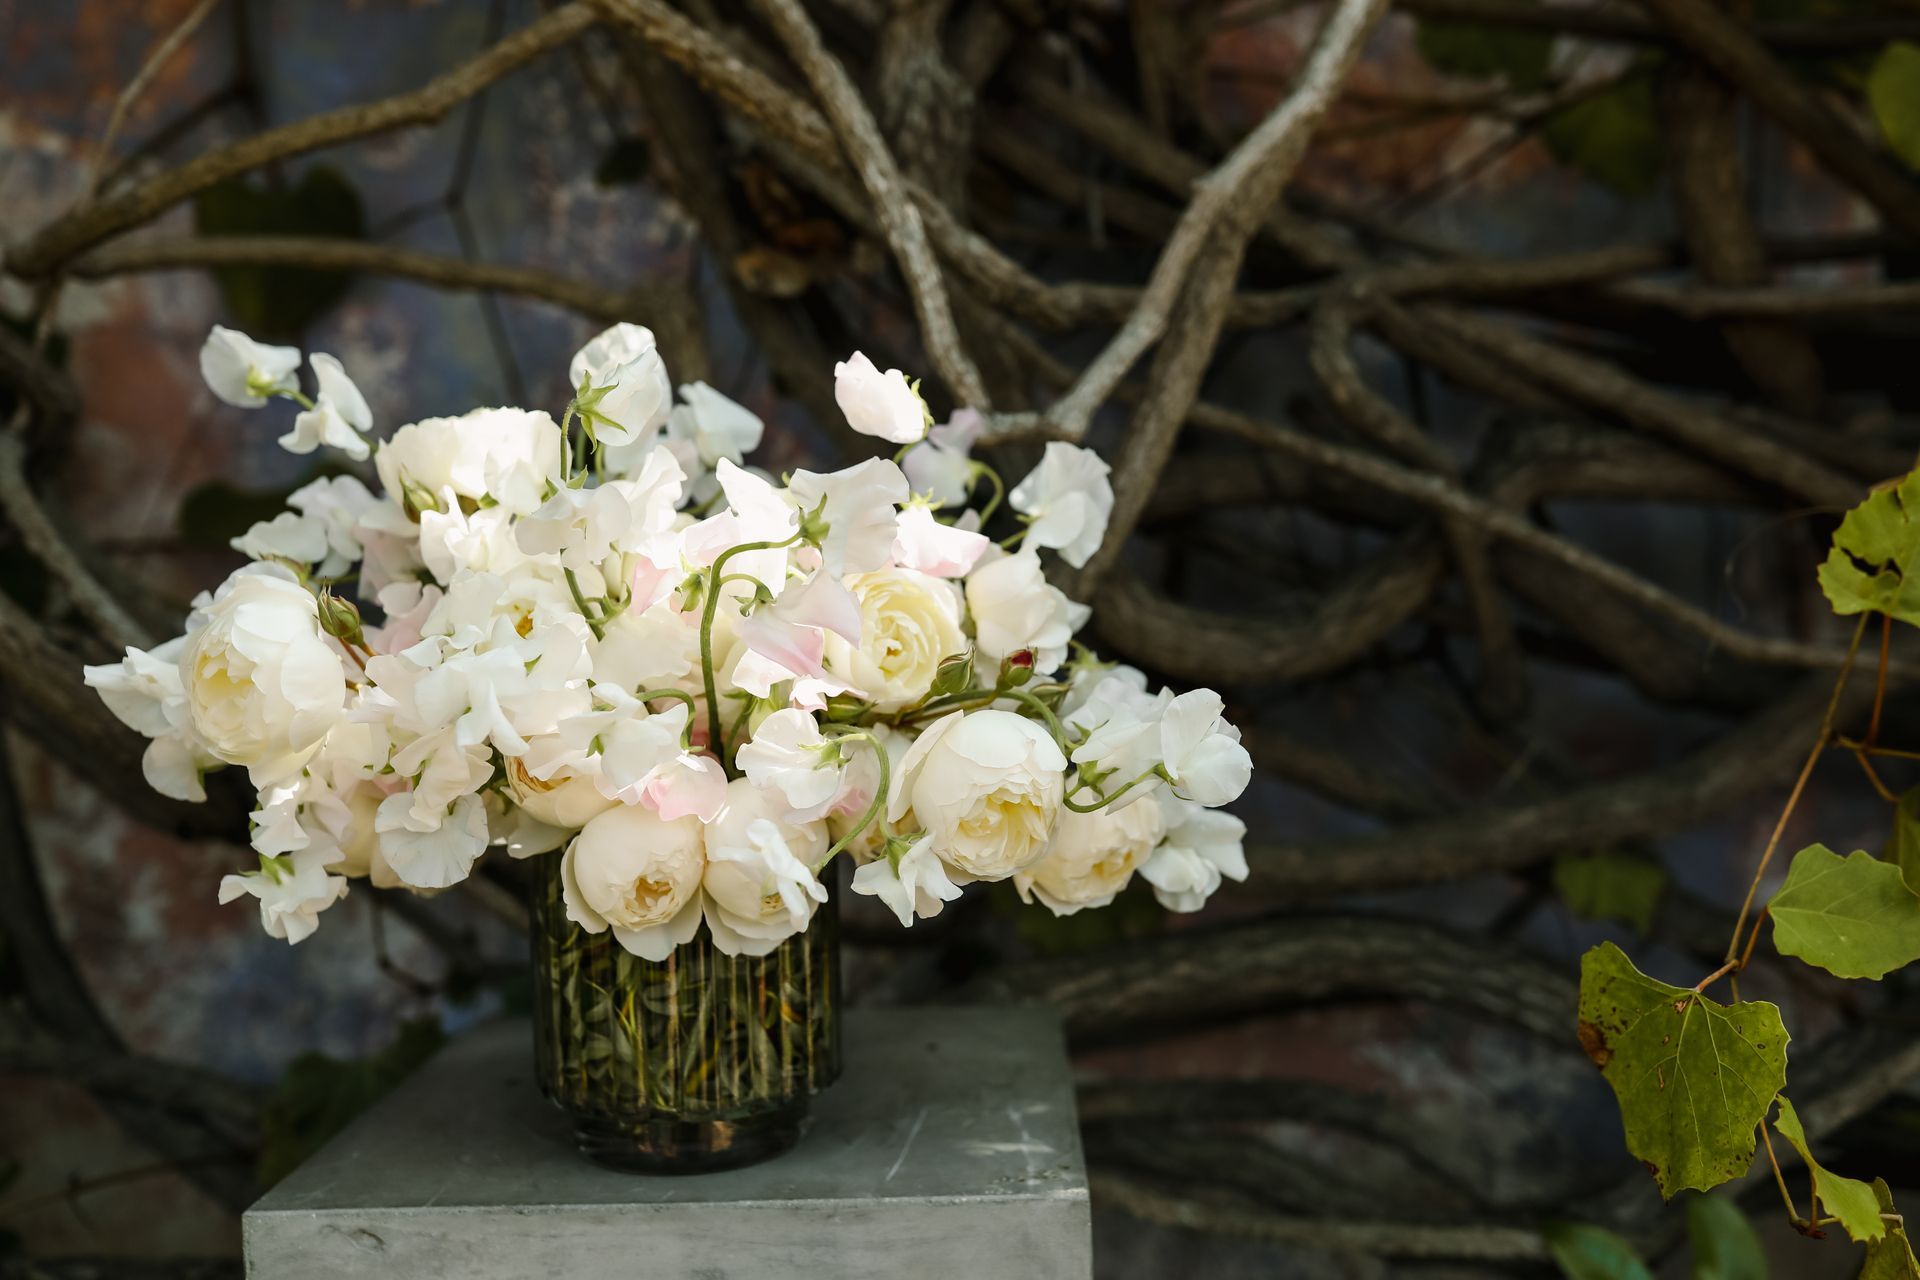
(631, 872)
(567, 799)
(909, 625)
(760, 885)
(262, 684)
(986, 787)
(509, 455)
(1092, 856)
(1015, 609)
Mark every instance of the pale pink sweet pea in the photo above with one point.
(921, 542)
(687, 784)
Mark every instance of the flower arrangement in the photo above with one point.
(609, 636)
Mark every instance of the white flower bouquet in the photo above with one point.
(609, 636)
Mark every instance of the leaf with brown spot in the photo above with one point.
(1694, 1078)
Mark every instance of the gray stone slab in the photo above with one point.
(948, 1148)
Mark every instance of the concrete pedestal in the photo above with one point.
(948, 1148)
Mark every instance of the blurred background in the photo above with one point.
(1464, 778)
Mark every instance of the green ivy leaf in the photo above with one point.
(1852, 916)
(1612, 136)
(1891, 1256)
(1876, 545)
(1610, 886)
(319, 1094)
(1585, 1252)
(1848, 1199)
(1476, 50)
(1903, 847)
(1693, 1078)
(1893, 89)
(1724, 1245)
(279, 302)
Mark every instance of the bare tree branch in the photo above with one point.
(93, 222)
(1234, 196)
(1720, 41)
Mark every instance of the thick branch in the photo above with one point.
(322, 254)
(91, 223)
(1202, 976)
(860, 137)
(1238, 193)
(1753, 756)
(1721, 42)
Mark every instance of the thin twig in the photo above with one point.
(1799, 786)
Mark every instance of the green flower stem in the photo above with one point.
(648, 695)
(879, 795)
(999, 491)
(716, 741)
(1158, 771)
(972, 699)
(298, 397)
(598, 627)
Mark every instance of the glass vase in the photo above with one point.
(698, 1062)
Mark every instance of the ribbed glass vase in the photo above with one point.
(698, 1062)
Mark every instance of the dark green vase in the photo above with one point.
(698, 1062)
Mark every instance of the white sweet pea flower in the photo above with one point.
(431, 854)
(1201, 751)
(986, 787)
(858, 512)
(1115, 724)
(631, 871)
(941, 466)
(1015, 608)
(262, 684)
(916, 890)
(1202, 846)
(145, 692)
(909, 625)
(923, 543)
(711, 426)
(339, 417)
(509, 455)
(293, 890)
(1092, 857)
(759, 882)
(338, 505)
(789, 757)
(625, 360)
(243, 372)
(878, 404)
(288, 536)
(756, 511)
(1067, 500)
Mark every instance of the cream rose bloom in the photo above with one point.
(1092, 856)
(565, 800)
(509, 455)
(760, 885)
(986, 787)
(629, 871)
(909, 625)
(262, 684)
